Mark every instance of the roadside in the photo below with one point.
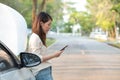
(114, 43)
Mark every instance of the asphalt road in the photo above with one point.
(85, 59)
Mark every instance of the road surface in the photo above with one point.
(85, 59)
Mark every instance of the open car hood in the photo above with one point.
(13, 29)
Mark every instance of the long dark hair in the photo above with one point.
(37, 28)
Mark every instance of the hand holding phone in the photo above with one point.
(64, 48)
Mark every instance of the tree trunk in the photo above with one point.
(42, 6)
(34, 9)
(112, 33)
(113, 28)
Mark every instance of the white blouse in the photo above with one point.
(36, 47)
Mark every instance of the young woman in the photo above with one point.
(37, 45)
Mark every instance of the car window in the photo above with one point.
(6, 61)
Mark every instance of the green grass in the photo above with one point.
(115, 45)
(50, 41)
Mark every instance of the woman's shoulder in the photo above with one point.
(35, 37)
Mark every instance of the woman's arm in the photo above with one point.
(51, 56)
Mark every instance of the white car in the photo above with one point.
(15, 63)
(12, 68)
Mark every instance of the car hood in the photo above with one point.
(13, 29)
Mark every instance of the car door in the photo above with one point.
(10, 68)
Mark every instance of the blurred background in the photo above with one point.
(87, 26)
(81, 17)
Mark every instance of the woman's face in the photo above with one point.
(46, 26)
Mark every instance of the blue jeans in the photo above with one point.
(45, 74)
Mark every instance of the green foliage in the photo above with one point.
(12, 3)
(25, 8)
(116, 8)
(84, 19)
(115, 1)
(55, 9)
(22, 6)
(26, 11)
(103, 14)
(50, 41)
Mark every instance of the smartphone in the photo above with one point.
(63, 48)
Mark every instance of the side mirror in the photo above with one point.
(29, 59)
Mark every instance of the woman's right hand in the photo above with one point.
(48, 57)
(58, 53)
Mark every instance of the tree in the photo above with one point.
(35, 9)
(29, 9)
(103, 16)
(84, 19)
(116, 9)
(55, 9)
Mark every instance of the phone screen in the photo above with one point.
(64, 48)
